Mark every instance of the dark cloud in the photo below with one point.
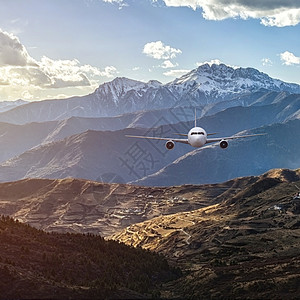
(264, 4)
(278, 13)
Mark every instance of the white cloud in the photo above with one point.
(289, 58)
(167, 64)
(159, 50)
(109, 72)
(214, 62)
(25, 76)
(27, 95)
(59, 96)
(3, 81)
(12, 52)
(176, 73)
(266, 62)
(194, 4)
(113, 1)
(211, 62)
(64, 73)
(278, 13)
(289, 17)
(19, 69)
(121, 3)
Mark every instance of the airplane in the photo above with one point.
(196, 137)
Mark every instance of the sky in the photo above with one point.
(62, 48)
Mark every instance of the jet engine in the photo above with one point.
(170, 145)
(223, 144)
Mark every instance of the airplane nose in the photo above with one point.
(199, 141)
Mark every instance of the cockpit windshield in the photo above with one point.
(201, 133)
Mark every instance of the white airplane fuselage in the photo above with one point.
(197, 137)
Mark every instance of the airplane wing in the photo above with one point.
(182, 134)
(232, 137)
(185, 134)
(184, 141)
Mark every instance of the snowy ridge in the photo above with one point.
(208, 84)
(221, 81)
(121, 85)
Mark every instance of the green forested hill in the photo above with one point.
(39, 265)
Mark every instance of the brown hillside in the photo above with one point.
(73, 205)
(245, 245)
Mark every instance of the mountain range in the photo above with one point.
(8, 105)
(97, 155)
(203, 86)
(277, 149)
(84, 137)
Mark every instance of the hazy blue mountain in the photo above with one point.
(90, 155)
(16, 139)
(105, 155)
(280, 148)
(205, 86)
(8, 105)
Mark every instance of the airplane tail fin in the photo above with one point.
(195, 118)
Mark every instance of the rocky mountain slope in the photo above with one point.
(215, 82)
(204, 86)
(244, 245)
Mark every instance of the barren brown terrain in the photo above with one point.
(73, 205)
(245, 245)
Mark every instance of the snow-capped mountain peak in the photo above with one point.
(120, 86)
(219, 81)
(154, 83)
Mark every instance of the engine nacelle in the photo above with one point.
(170, 145)
(223, 144)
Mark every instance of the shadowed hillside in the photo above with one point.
(37, 265)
